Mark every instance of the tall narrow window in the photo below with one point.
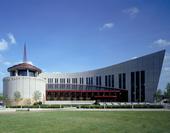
(91, 80)
(142, 86)
(68, 81)
(132, 86)
(106, 80)
(100, 81)
(137, 86)
(86, 81)
(113, 81)
(124, 81)
(97, 80)
(82, 81)
(76, 80)
(109, 80)
(120, 81)
(55, 81)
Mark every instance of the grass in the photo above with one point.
(85, 122)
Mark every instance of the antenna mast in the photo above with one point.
(25, 54)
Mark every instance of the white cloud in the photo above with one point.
(11, 38)
(132, 12)
(29, 62)
(3, 44)
(162, 42)
(134, 57)
(107, 26)
(19, 62)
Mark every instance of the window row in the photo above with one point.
(89, 81)
(122, 80)
(138, 86)
(109, 80)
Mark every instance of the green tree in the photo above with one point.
(5, 99)
(167, 92)
(27, 101)
(17, 96)
(37, 96)
(158, 95)
(1, 97)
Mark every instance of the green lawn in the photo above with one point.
(85, 122)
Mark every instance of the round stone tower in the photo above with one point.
(24, 79)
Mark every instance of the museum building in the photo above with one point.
(135, 80)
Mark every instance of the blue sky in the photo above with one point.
(78, 35)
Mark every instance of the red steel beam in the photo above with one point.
(117, 91)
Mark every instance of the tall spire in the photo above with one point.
(25, 54)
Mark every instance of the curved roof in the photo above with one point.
(24, 66)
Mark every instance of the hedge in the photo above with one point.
(138, 106)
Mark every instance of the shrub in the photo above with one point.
(38, 103)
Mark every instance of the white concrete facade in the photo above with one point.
(25, 85)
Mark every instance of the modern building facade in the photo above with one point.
(135, 80)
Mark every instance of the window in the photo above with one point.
(50, 80)
(97, 81)
(105, 80)
(120, 81)
(142, 86)
(31, 73)
(100, 81)
(124, 81)
(113, 81)
(68, 81)
(86, 81)
(109, 82)
(132, 86)
(62, 81)
(22, 73)
(12, 73)
(76, 80)
(56, 80)
(137, 87)
(91, 79)
(82, 81)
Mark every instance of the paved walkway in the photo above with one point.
(10, 110)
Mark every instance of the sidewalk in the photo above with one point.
(10, 110)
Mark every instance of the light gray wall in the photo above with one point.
(151, 64)
(25, 85)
